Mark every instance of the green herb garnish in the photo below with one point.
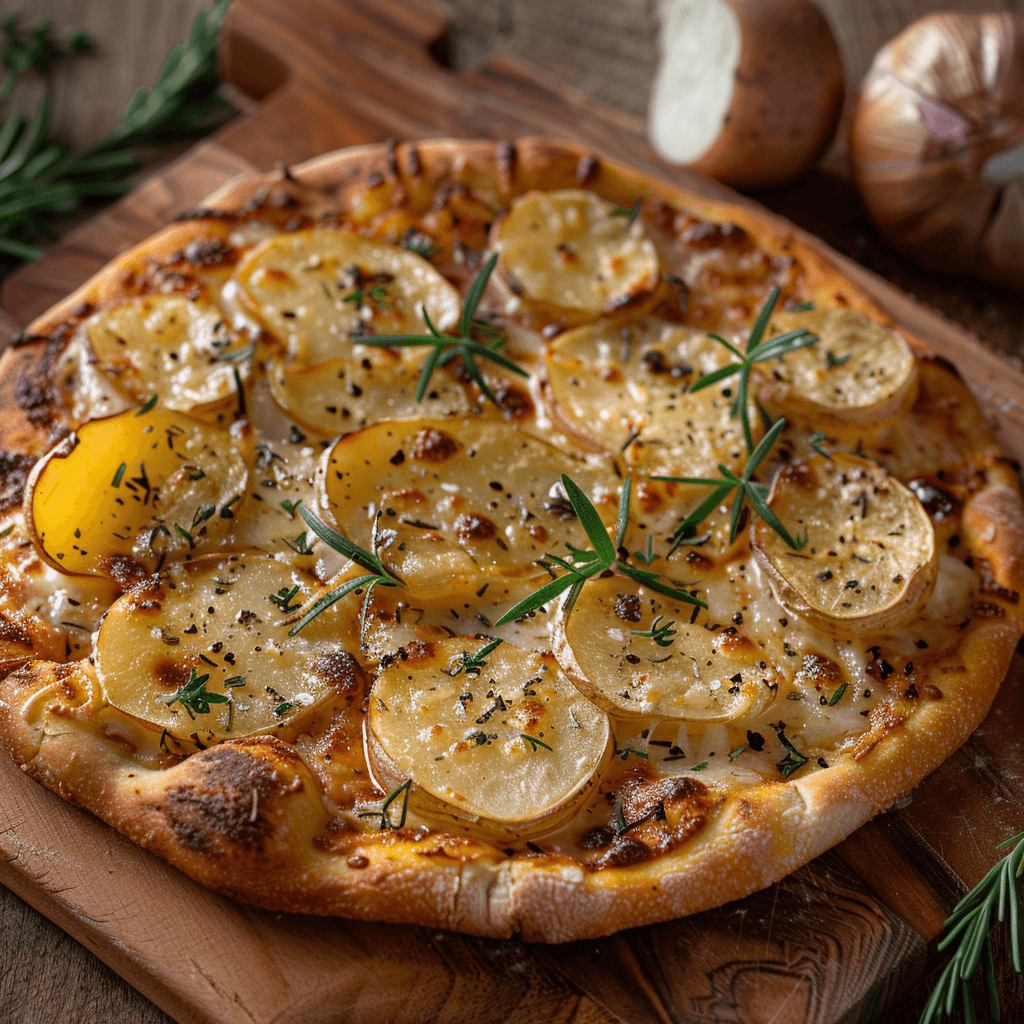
(587, 564)
(194, 697)
(757, 351)
(833, 361)
(283, 599)
(969, 927)
(623, 752)
(42, 179)
(149, 405)
(534, 742)
(119, 475)
(185, 535)
(447, 347)
(379, 575)
(699, 767)
(838, 695)
(632, 212)
(291, 507)
(746, 489)
(662, 634)
(793, 759)
(472, 664)
(815, 442)
(301, 545)
(385, 817)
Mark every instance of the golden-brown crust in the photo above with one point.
(249, 817)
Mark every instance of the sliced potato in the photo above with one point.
(226, 618)
(697, 673)
(511, 751)
(122, 492)
(343, 395)
(858, 371)
(318, 290)
(186, 350)
(626, 389)
(869, 563)
(461, 502)
(567, 255)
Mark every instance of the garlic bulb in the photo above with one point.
(936, 144)
(748, 91)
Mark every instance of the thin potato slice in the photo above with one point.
(181, 348)
(318, 291)
(226, 618)
(123, 492)
(696, 674)
(870, 561)
(460, 502)
(510, 751)
(857, 372)
(626, 389)
(566, 255)
(342, 395)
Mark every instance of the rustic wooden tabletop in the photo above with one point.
(606, 51)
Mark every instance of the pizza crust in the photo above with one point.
(248, 817)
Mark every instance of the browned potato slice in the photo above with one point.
(461, 502)
(566, 255)
(869, 563)
(626, 388)
(318, 290)
(123, 492)
(695, 673)
(226, 618)
(510, 751)
(181, 348)
(858, 371)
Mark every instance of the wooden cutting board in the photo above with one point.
(839, 941)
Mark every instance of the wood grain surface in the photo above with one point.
(824, 945)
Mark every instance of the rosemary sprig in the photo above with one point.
(378, 575)
(194, 697)
(746, 489)
(42, 179)
(447, 347)
(585, 564)
(969, 928)
(757, 351)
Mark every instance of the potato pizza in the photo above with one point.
(489, 537)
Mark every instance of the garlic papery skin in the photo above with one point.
(936, 144)
(747, 91)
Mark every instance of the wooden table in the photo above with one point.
(607, 53)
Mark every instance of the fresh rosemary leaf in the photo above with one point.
(325, 602)
(345, 547)
(590, 520)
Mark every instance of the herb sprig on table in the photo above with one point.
(42, 178)
(968, 933)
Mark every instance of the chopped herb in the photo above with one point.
(733, 754)
(119, 475)
(534, 742)
(194, 697)
(804, 307)
(632, 212)
(793, 760)
(185, 535)
(235, 681)
(834, 361)
(647, 556)
(472, 664)
(757, 351)
(419, 243)
(203, 513)
(291, 507)
(745, 488)
(838, 695)
(586, 564)
(301, 545)
(148, 407)
(816, 441)
(283, 708)
(625, 751)
(283, 599)
(385, 820)
(447, 347)
(238, 356)
(699, 767)
(662, 635)
(7, 532)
